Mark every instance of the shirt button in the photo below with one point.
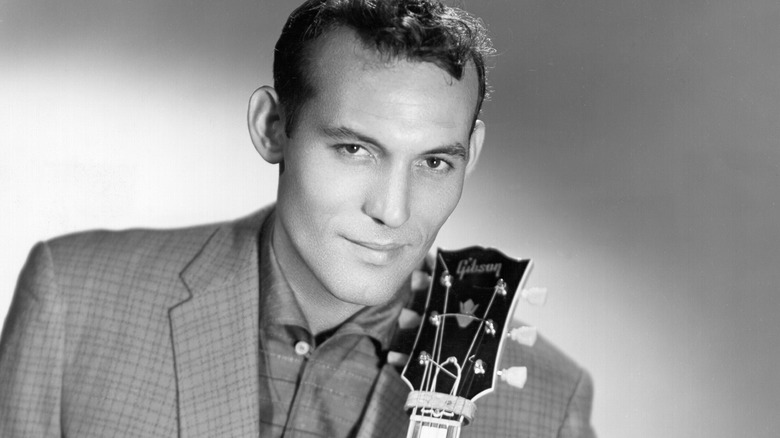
(302, 348)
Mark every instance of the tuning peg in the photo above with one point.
(514, 376)
(535, 295)
(500, 288)
(490, 328)
(446, 279)
(479, 367)
(434, 318)
(524, 335)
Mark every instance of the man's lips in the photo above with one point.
(377, 253)
(377, 246)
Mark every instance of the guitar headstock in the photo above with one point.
(471, 299)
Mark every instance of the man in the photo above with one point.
(279, 323)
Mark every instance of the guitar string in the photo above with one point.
(440, 327)
(428, 380)
(481, 325)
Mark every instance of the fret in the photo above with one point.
(425, 427)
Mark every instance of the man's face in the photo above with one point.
(372, 169)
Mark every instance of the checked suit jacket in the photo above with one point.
(145, 333)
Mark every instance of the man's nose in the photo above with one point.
(388, 198)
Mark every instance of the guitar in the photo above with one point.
(472, 296)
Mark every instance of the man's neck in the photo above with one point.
(323, 311)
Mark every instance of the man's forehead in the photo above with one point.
(351, 54)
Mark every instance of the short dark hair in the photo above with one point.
(416, 30)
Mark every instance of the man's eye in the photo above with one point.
(435, 163)
(352, 149)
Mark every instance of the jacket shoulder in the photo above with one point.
(542, 408)
(545, 361)
(130, 247)
(112, 268)
(141, 250)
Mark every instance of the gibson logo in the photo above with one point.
(470, 266)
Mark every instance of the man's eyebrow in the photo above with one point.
(343, 133)
(454, 150)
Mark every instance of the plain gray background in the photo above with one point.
(632, 151)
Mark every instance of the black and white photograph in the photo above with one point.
(390, 218)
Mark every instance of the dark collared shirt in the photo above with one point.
(312, 386)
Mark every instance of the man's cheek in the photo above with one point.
(438, 211)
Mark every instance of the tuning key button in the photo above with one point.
(514, 376)
(524, 335)
(535, 295)
(408, 319)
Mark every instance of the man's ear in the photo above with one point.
(475, 145)
(266, 124)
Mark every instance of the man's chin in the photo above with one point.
(366, 284)
(373, 296)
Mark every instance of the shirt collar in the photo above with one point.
(278, 305)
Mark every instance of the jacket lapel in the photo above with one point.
(215, 335)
